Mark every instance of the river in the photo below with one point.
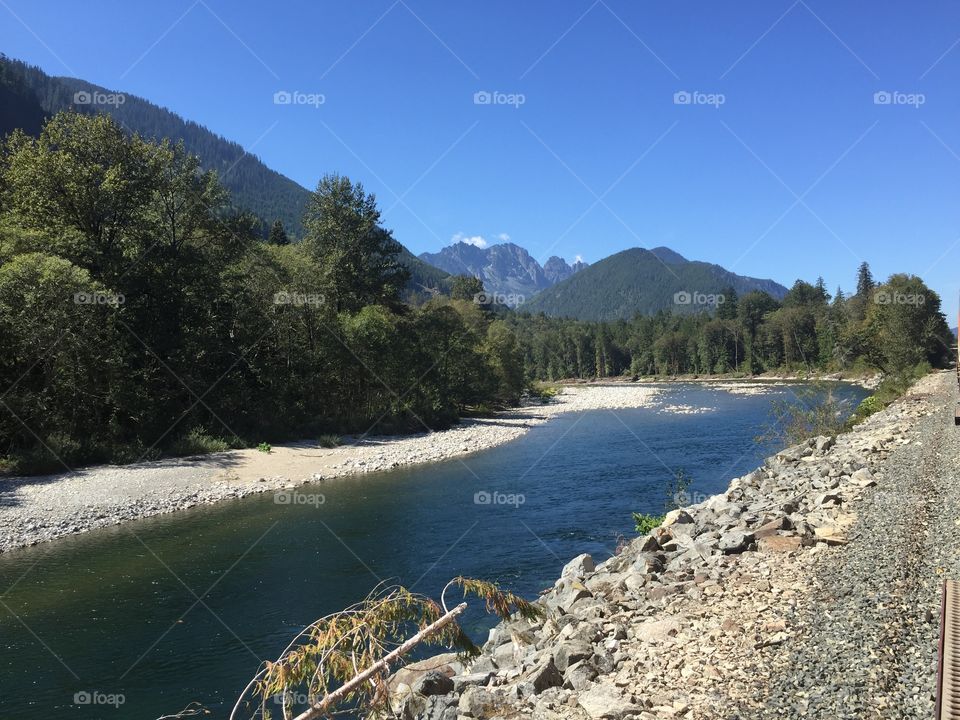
(139, 620)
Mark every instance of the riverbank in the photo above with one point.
(809, 589)
(42, 508)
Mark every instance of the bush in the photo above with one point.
(889, 389)
(199, 442)
(544, 392)
(265, 447)
(645, 523)
(329, 441)
(817, 412)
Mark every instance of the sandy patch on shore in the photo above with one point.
(37, 509)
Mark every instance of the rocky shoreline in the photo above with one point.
(725, 610)
(43, 508)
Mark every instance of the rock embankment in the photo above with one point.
(797, 593)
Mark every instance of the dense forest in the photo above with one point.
(140, 313)
(893, 327)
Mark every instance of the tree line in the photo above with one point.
(894, 327)
(141, 314)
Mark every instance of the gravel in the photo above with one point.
(869, 627)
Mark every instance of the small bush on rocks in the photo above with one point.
(329, 441)
(645, 523)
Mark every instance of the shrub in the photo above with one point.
(264, 447)
(198, 442)
(645, 523)
(329, 441)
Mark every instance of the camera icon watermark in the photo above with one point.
(295, 97)
(685, 97)
(484, 497)
(884, 297)
(685, 297)
(98, 298)
(95, 97)
(292, 497)
(298, 299)
(509, 299)
(683, 498)
(95, 697)
(486, 97)
(895, 97)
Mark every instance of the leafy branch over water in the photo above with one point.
(342, 661)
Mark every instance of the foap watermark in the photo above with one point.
(511, 299)
(682, 498)
(885, 297)
(895, 97)
(95, 697)
(295, 97)
(299, 299)
(292, 497)
(98, 298)
(685, 297)
(85, 97)
(685, 97)
(485, 497)
(486, 97)
(294, 699)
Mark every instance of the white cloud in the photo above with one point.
(578, 258)
(475, 240)
(503, 237)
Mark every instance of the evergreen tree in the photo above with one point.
(278, 236)
(864, 280)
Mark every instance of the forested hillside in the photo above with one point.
(28, 96)
(641, 281)
(893, 327)
(141, 315)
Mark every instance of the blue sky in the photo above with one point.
(783, 164)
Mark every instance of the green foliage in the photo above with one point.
(465, 287)
(134, 303)
(28, 97)
(198, 442)
(812, 410)
(278, 235)
(328, 440)
(265, 448)
(889, 389)
(646, 523)
(894, 329)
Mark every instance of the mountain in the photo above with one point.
(642, 281)
(28, 96)
(505, 269)
(556, 269)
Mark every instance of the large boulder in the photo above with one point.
(479, 702)
(605, 700)
(544, 675)
(580, 566)
(433, 683)
(571, 652)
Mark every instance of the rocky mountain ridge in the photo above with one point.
(506, 269)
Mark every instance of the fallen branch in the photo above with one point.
(383, 665)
